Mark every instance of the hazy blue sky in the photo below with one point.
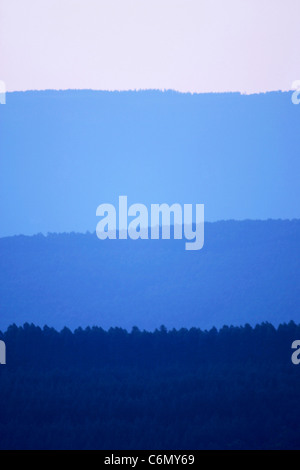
(186, 45)
(63, 154)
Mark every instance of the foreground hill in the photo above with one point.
(247, 272)
(236, 388)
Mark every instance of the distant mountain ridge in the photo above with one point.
(65, 152)
(247, 272)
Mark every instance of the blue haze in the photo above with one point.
(62, 153)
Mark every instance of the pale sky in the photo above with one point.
(186, 45)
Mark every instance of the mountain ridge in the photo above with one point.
(247, 272)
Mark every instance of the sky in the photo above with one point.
(63, 154)
(198, 46)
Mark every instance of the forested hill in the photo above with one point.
(236, 388)
(65, 152)
(247, 272)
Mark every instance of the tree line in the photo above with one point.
(168, 389)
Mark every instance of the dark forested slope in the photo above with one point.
(188, 389)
